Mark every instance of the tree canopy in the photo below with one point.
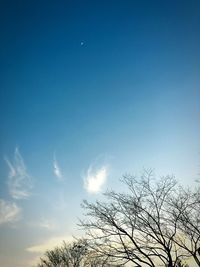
(154, 223)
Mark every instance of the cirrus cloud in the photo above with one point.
(9, 212)
(19, 181)
(56, 169)
(44, 223)
(95, 179)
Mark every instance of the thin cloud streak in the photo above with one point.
(95, 179)
(9, 212)
(49, 244)
(19, 181)
(57, 170)
(46, 224)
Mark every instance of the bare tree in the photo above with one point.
(76, 254)
(68, 255)
(136, 226)
(185, 209)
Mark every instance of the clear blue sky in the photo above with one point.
(90, 90)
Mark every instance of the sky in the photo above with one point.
(90, 91)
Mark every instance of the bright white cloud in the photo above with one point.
(9, 212)
(95, 179)
(57, 170)
(49, 244)
(19, 181)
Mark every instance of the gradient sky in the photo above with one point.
(89, 91)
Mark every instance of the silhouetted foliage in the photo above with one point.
(185, 210)
(76, 254)
(68, 255)
(155, 223)
(181, 264)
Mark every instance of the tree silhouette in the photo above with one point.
(185, 209)
(68, 255)
(139, 226)
(76, 254)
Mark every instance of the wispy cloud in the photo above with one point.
(9, 212)
(44, 223)
(19, 181)
(47, 224)
(95, 179)
(49, 244)
(57, 170)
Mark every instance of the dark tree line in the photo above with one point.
(75, 254)
(153, 223)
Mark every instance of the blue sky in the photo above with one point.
(90, 90)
